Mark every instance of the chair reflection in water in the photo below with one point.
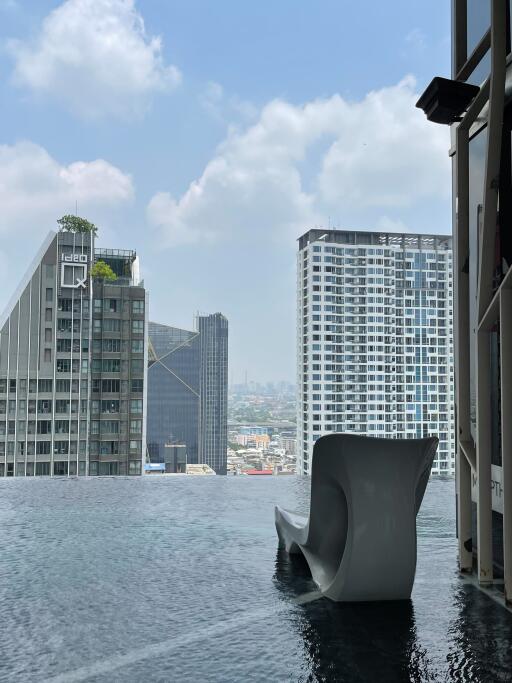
(360, 538)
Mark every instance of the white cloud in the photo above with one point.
(96, 58)
(362, 162)
(35, 189)
(223, 108)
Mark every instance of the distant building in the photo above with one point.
(255, 430)
(288, 442)
(253, 440)
(375, 339)
(73, 365)
(187, 391)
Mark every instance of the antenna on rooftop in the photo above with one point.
(76, 207)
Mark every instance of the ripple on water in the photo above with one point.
(180, 579)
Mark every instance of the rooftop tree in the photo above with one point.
(103, 270)
(71, 223)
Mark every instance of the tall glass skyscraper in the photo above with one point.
(73, 359)
(374, 338)
(187, 391)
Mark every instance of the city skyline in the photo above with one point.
(216, 166)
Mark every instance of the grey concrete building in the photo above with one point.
(187, 392)
(73, 359)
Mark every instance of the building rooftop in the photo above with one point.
(366, 238)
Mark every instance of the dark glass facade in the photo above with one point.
(213, 424)
(173, 391)
(187, 391)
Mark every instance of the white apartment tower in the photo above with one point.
(375, 339)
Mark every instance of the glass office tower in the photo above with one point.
(187, 391)
(73, 365)
(374, 339)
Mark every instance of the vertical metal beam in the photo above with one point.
(483, 457)
(461, 341)
(459, 35)
(506, 434)
(493, 155)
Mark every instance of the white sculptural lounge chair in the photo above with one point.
(360, 538)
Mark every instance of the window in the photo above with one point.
(48, 315)
(111, 345)
(136, 405)
(61, 406)
(64, 345)
(110, 406)
(96, 325)
(43, 468)
(60, 469)
(109, 447)
(44, 426)
(135, 445)
(47, 355)
(137, 385)
(97, 305)
(85, 366)
(134, 467)
(137, 346)
(109, 427)
(64, 324)
(3, 386)
(95, 427)
(63, 365)
(138, 326)
(65, 305)
(137, 367)
(110, 386)
(61, 447)
(136, 426)
(48, 334)
(44, 406)
(49, 294)
(111, 365)
(138, 307)
(12, 386)
(45, 385)
(61, 427)
(111, 305)
(62, 385)
(43, 448)
(112, 325)
(72, 275)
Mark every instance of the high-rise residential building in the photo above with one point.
(73, 364)
(187, 391)
(374, 338)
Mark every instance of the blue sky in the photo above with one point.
(209, 135)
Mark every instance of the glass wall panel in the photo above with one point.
(477, 147)
(479, 20)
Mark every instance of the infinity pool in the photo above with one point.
(179, 579)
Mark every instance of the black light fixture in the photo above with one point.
(444, 100)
